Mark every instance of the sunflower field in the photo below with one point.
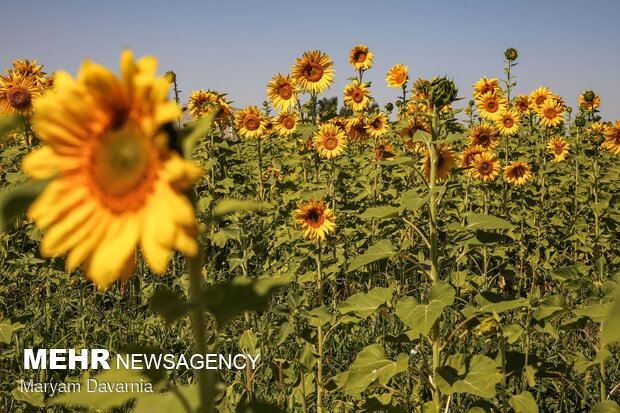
(453, 251)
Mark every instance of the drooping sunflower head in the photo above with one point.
(467, 159)
(360, 58)
(315, 218)
(517, 173)
(508, 122)
(559, 148)
(484, 135)
(491, 104)
(26, 68)
(445, 161)
(250, 123)
(330, 141)
(485, 85)
(313, 72)
(282, 92)
(589, 100)
(524, 104)
(384, 151)
(286, 123)
(612, 139)
(18, 94)
(397, 76)
(420, 89)
(485, 167)
(377, 126)
(203, 103)
(596, 133)
(539, 96)
(356, 96)
(551, 112)
(356, 129)
(117, 184)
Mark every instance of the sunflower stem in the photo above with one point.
(319, 364)
(260, 169)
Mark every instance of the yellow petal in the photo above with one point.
(42, 163)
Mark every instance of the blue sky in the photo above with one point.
(236, 47)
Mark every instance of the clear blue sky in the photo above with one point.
(237, 46)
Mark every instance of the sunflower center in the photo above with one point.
(540, 100)
(19, 97)
(558, 151)
(484, 138)
(400, 77)
(485, 167)
(313, 72)
(508, 123)
(357, 96)
(518, 171)
(285, 91)
(550, 113)
(288, 122)
(330, 142)
(491, 106)
(315, 218)
(251, 122)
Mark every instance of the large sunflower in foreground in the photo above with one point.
(397, 76)
(491, 104)
(612, 139)
(286, 123)
(315, 218)
(360, 58)
(313, 72)
(330, 141)
(356, 96)
(508, 122)
(202, 104)
(485, 167)
(445, 161)
(484, 135)
(250, 123)
(117, 184)
(485, 85)
(517, 173)
(281, 92)
(18, 94)
(550, 112)
(559, 148)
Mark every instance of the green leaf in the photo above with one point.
(611, 324)
(523, 403)
(482, 221)
(230, 206)
(371, 366)
(7, 329)
(596, 312)
(412, 201)
(171, 401)
(16, 200)
(422, 136)
(8, 124)
(493, 303)
(608, 406)
(381, 212)
(33, 398)
(444, 292)
(196, 131)
(477, 375)
(365, 304)
(419, 317)
(382, 249)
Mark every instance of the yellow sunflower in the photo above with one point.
(408, 131)
(595, 100)
(550, 112)
(286, 123)
(419, 89)
(539, 96)
(485, 85)
(485, 167)
(508, 122)
(517, 173)
(360, 58)
(26, 68)
(415, 107)
(524, 104)
(356, 96)
(397, 76)
(117, 184)
(18, 94)
(445, 161)
(559, 148)
(315, 218)
(467, 159)
(202, 103)
(313, 72)
(250, 123)
(356, 129)
(330, 141)
(281, 92)
(491, 104)
(612, 139)
(384, 151)
(484, 135)
(339, 122)
(596, 133)
(376, 125)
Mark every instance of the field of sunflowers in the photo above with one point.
(453, 251)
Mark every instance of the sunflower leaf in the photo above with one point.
(231, 205)
(16, 200)
(196, 131)
(382, 249)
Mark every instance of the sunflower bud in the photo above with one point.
(511, 54)
(389, 107)
(569, 109)
(488, 327)
(442, 92)
(170, 76)
(589, 96)
(580, 121)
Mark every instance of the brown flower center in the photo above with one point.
(540, 99)
(518, 171)
(285, 91)
(313, 72)
(315, 218)
(509, 123)
(359, 56)
(558, 151)
(330, 142)
(288, 122)
(400, 78)
(357, 96)
(484, 139)
(19, 97)
(251, 122)
(550, 113)
(491, 106)
(485, 168)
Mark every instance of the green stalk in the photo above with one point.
(319, 364)
(260, 168)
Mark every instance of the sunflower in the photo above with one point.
(18, 94)
(117, 185)
(595, 100)
(270, 126)
(26, 68)
(281, 92)
(517, 173)
(313, 71)
(376, 126)
(384, 151)
(339, 122)
(550, 112)
(360, 58)
(485, 167)
(408, 131)
(612, 139)
(484, 135)
(491, 104)
(485, 85)
(315, 219)
(356, 129)
(330, 141)
(416, 107)
(445, 161)
(420, 89)
(397, 76)
(559, 148)
(356, 96)
(286, 123)
(524, 104)
(596, 133)
(539, 96)
(202, 103)
(470, 152)
(250, 123)
(508, 122)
